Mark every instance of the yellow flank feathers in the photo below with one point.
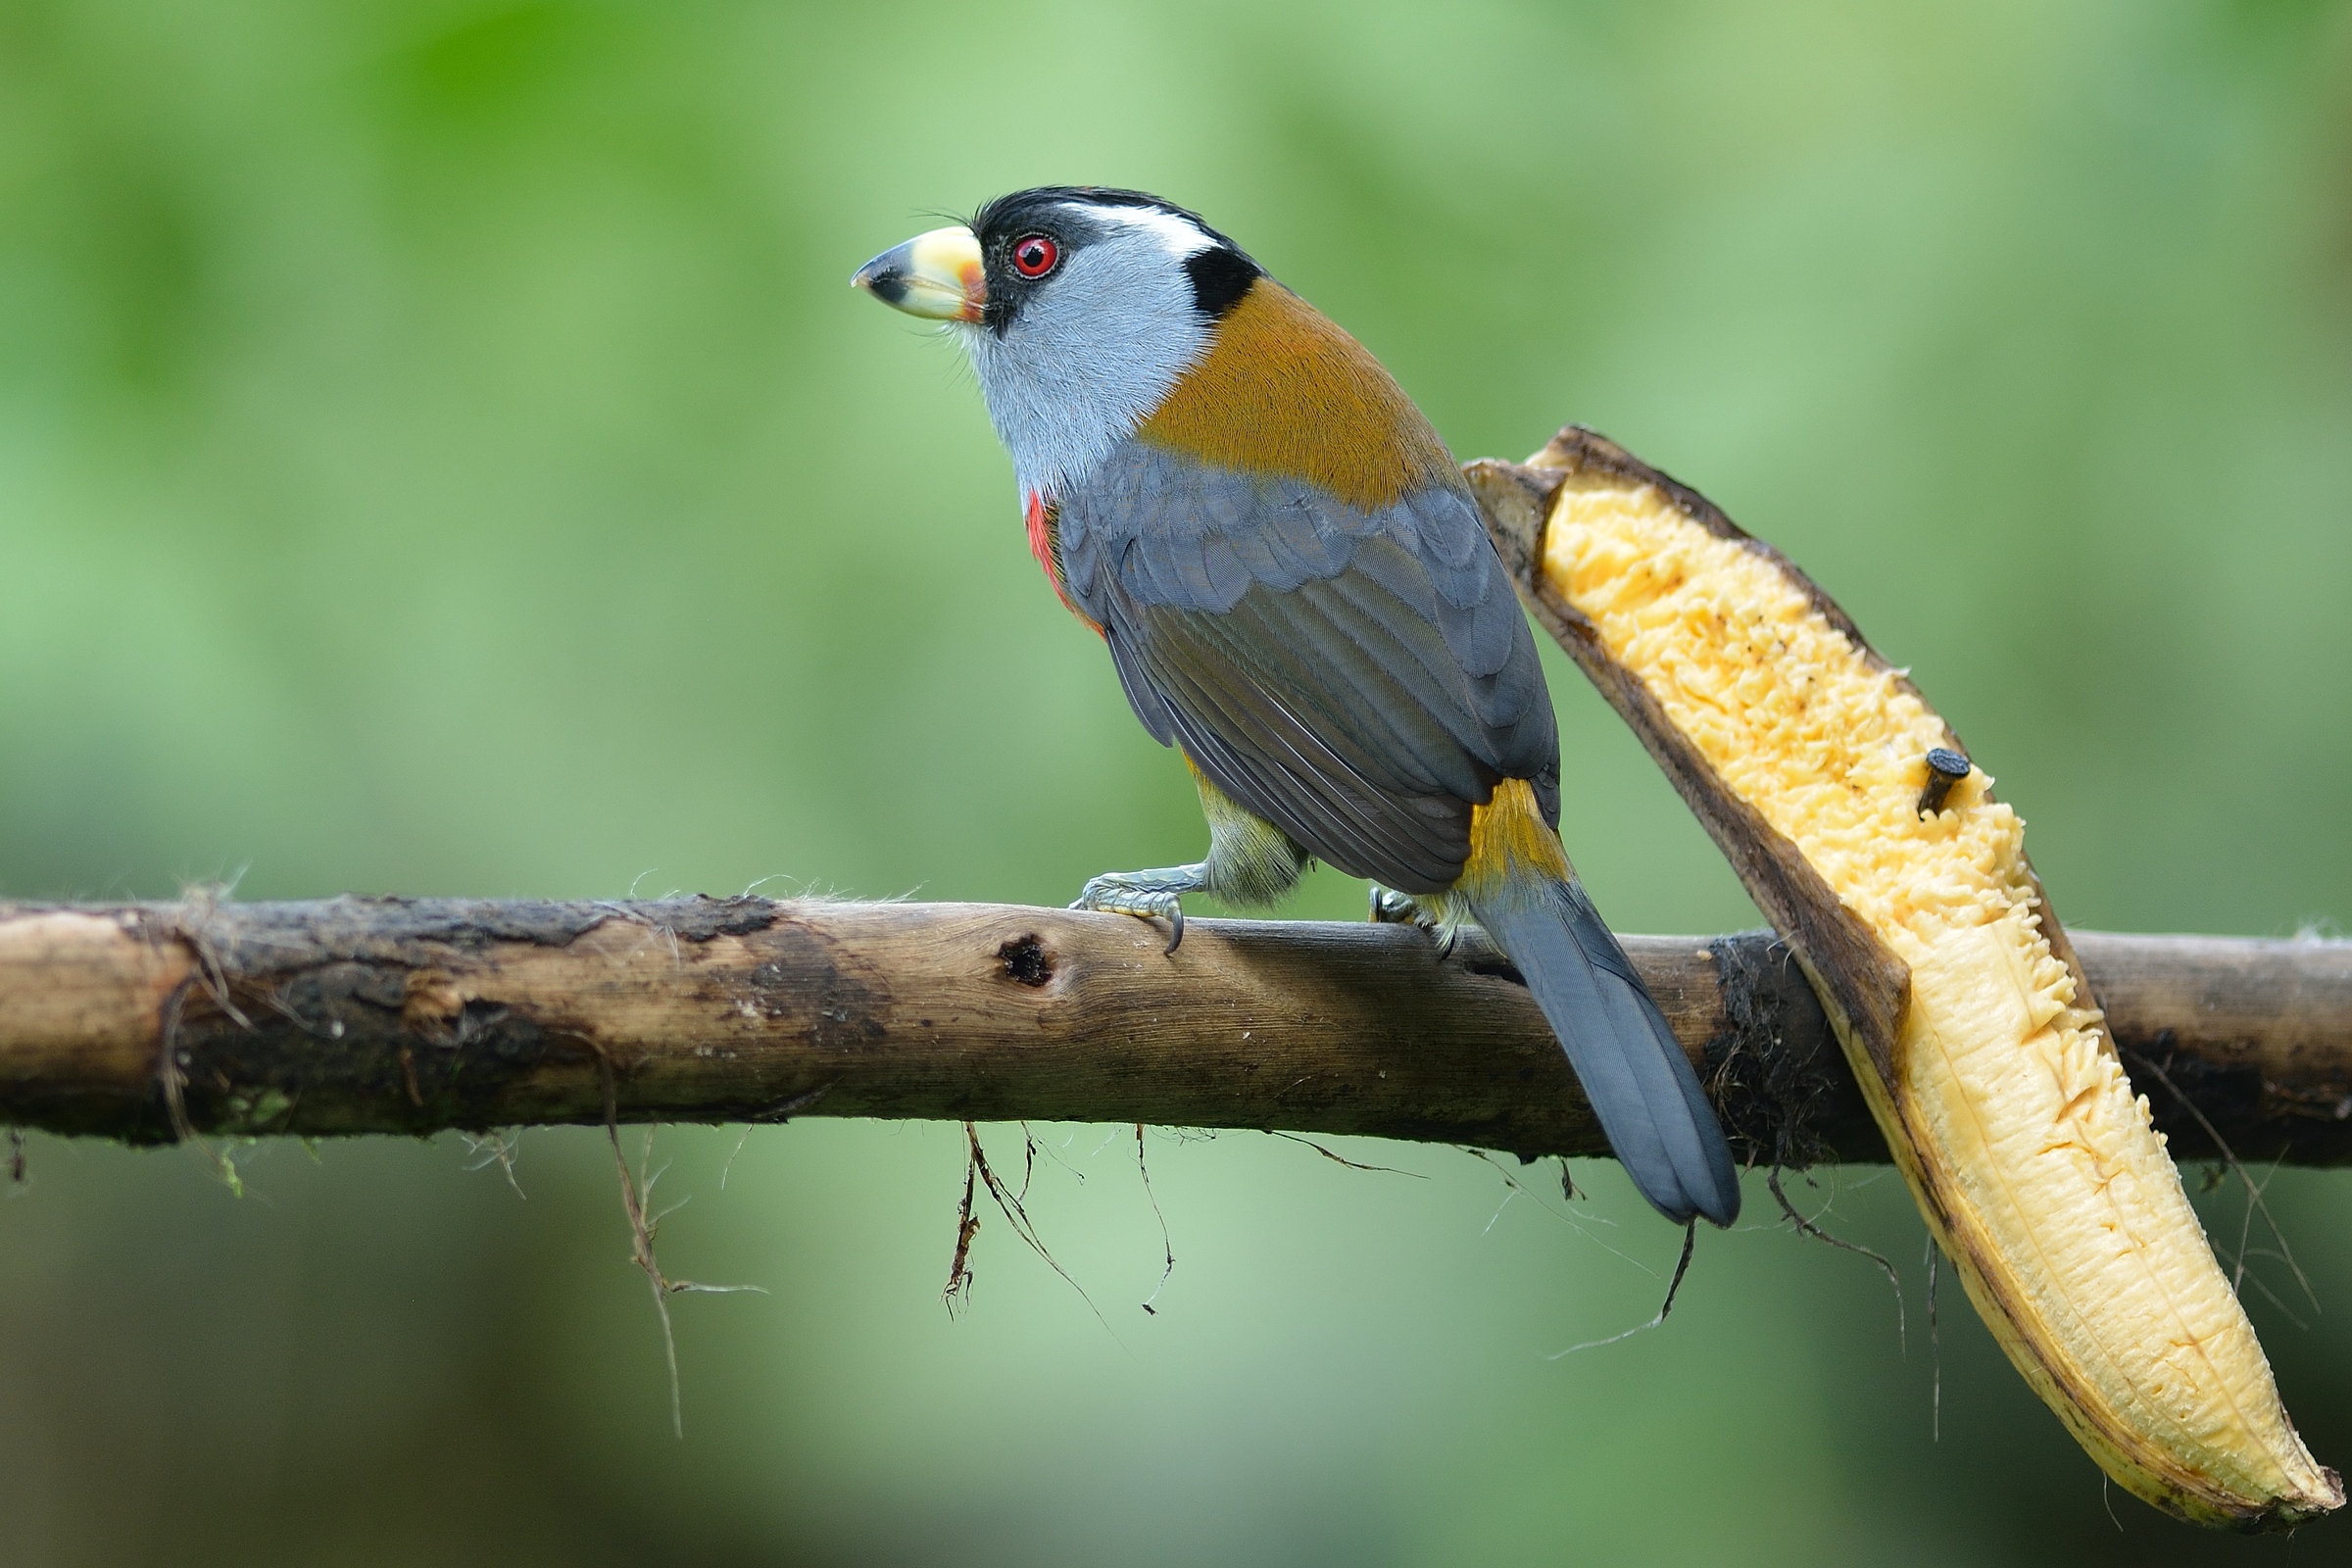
(1283, 390)
(1251, 863)
(2037, 1169)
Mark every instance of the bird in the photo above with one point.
(1298, 594)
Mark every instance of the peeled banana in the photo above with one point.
(1878, 851)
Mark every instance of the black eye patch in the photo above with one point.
(1004, 227)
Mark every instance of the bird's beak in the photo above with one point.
(936, 274)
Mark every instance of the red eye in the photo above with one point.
(1034, 255)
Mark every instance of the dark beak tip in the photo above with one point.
(884, 276)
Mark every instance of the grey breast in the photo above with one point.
(1359, 679)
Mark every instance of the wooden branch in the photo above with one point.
(395, 1016)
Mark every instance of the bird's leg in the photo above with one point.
(1250, 862)
(1441, 917)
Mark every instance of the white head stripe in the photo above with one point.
(1181, 238)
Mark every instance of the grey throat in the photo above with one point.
(1091, 355)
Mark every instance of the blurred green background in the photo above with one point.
(439, 453)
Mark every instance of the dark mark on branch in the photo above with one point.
(703, 918)
(1489, 960)
(1026, 962)
(799, 982)
(2210, 1105)
(254, 941)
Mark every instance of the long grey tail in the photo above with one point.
(1641, 1084)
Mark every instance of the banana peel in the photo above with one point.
(1880, 855)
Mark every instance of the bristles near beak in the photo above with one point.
(936, 275)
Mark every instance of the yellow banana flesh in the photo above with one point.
(2001, 1096)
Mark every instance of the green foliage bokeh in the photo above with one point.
(439, 453)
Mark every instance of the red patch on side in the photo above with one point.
(1045, 543)
(1041, 538)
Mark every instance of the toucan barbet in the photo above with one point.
(1299, 594)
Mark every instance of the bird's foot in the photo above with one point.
(1149, 895)
(1392, 907)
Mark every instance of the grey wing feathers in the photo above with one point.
(1361, 679)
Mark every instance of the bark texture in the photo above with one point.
(395, 1016)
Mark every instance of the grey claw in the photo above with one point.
(1392, 907)
(1146, 894)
